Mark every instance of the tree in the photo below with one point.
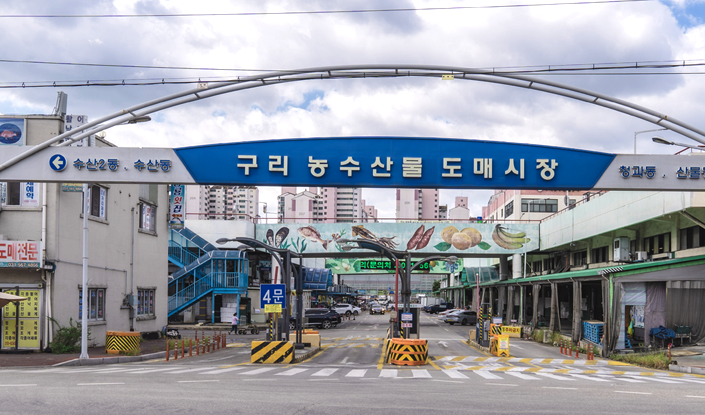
(436, 285)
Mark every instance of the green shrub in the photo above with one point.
(67, 338)
(653, 360)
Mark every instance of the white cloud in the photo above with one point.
(519, 37)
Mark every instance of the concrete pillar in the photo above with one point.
(504, 267)
(517, 266)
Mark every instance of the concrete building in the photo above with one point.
(528, 205)
(369, 213)
(41, 253)
(417, 204)
(322, 205)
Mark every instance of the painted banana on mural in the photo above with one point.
(509, 240)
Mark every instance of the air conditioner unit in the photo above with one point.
(621, 249)
(642, 256)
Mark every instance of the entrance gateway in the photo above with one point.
(344, 162)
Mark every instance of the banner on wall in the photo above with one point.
(12, 131)
(176, 206)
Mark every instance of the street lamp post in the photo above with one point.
(660, 140)
(645, 131)
(286, 271)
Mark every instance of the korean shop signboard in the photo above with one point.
(20, 254)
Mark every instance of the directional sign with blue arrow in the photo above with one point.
(57, 162)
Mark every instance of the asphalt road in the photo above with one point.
(348, 377)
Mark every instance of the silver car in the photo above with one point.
(464, 317)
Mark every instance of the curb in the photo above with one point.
(299, 359)
(111, 360)
(475, 345)
(687, 369)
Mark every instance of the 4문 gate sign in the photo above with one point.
(272, 297)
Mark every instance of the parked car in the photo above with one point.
(347, 309)
(443, 314)
(317, 317)
(437, 308)
(464, 317)
(376, 309)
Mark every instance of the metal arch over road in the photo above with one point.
(368, 71)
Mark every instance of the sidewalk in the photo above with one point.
(690, 359)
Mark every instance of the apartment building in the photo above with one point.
(322, 205)
(417, 204)
(222, 202)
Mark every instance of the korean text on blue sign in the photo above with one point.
(272, 294)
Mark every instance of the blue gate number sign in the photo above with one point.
(271, 294)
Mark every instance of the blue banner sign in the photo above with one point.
(394, 162)
(272, 294)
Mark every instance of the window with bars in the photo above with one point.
(145, 302)
(95, 304)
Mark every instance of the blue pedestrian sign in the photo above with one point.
(272, 297)
(57, 163)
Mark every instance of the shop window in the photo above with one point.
(539, 205)
(148, 214)
(24, 194)
(692, 237)
(145, 302)
(658, 244)
(95, 304)
(599, 255)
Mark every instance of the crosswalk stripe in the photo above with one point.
(219, 371)
(621, 378)
(454, 374)
(420, 373)
(258, 371)
(198, 369)
(556, 377)
(292, 372)
(523, 376)
(487, 375)
(356, 373)
(325, 372)
(144, 371)
(592, 378)
(692, 380)
(388, 373)
(658, 380)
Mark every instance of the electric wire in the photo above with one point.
(323, 12)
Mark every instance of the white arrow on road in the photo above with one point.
(57, 162)
(443, 344)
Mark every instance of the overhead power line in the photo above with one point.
(320, 12)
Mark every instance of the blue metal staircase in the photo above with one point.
(211, 272)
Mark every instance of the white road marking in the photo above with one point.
(622, 379)
(421, 373)
(552, 376)
(141, 371)
(487, 375)
(522, 376)
(291, 372)
(197, 381)
(655, 379)
(356, 373)
(635, 393)
(258, 371)
(29, 384)
(501, 384)
(345, 360)
(97, 384)
(594, 379)
(388, 373)
(454, 374)
(517, 347)
(692, 380)
(219, 371)
(558, 387)
(694, 396)
(325, 372)
(198, 369)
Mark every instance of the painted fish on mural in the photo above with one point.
(359, 230)
(309, 232)
(8, 134)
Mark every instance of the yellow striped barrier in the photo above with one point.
(121, 341)
(499, 346)
(408, 352)
(272, 352)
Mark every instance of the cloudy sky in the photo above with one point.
(152, 40)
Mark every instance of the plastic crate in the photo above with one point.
(682, 330)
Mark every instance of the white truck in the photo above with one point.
(430, 301)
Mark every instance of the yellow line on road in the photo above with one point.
(434, 365)
(457, 359)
